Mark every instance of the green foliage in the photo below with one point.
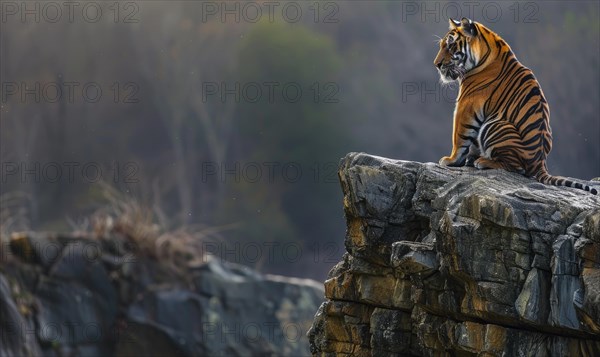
(287, 53)
(281, 130)
(291, 57)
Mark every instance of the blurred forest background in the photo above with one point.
(201, 120)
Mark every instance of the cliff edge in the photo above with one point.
(456, 261)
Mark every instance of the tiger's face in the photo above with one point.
(457, 56)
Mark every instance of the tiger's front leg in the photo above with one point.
(464, 132)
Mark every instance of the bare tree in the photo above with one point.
(180, 58)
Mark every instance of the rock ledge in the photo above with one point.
(461, 262)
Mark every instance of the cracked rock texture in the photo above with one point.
(460, 262)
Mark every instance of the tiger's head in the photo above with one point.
(459, 50)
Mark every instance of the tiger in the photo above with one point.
(501, 117)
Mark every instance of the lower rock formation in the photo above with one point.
(71, 295)
(461, 262)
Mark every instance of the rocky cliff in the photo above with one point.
(77, 295)
(461, 262)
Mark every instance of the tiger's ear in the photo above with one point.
(453, 24)
(468, 27)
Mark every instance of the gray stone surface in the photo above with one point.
(89, 299)
(458, 261)
(13, 342)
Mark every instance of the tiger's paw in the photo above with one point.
(447, 161)
(483, 164)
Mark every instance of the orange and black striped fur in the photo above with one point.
(501, 118)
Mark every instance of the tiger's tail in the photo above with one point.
(545, 178)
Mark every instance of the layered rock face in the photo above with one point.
(461, 262)
(70, 295)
